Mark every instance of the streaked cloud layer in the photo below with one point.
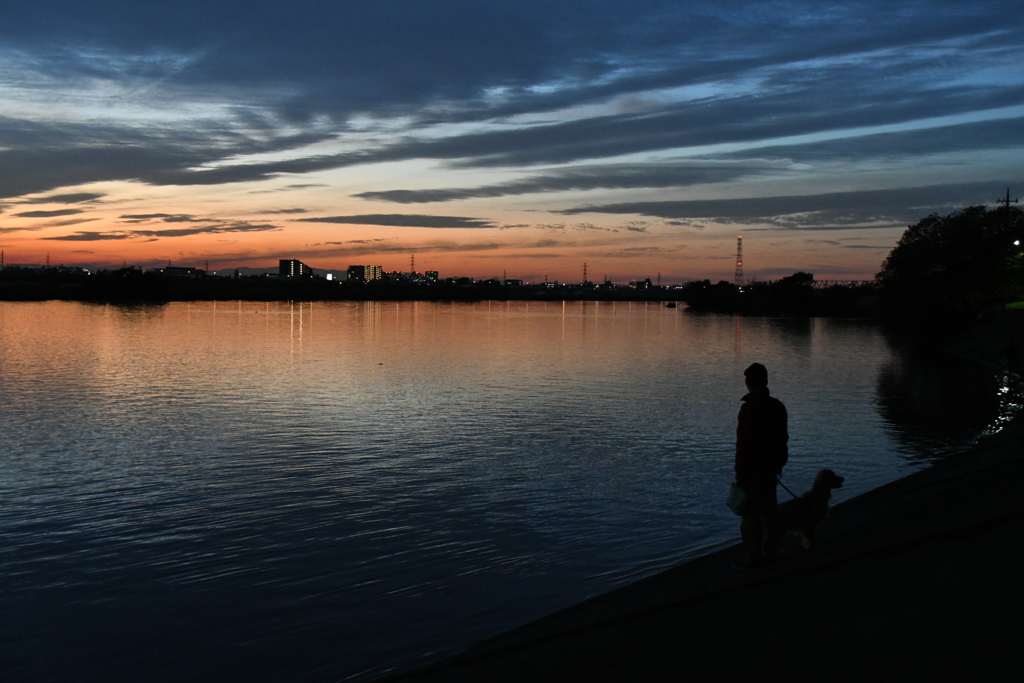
(651, 132)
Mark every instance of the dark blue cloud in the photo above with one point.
(300, 73)
(353, 56)
(342, 57)
(864, 209)
(582, 178)
(36, 156)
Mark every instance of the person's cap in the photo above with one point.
(757, 374)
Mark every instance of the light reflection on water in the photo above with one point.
(311, 491)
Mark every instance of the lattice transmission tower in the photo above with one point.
(738, 278)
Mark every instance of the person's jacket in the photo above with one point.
(761, 435)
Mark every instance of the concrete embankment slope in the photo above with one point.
(919, 579)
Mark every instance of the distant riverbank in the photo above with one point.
(795, 296)
(133, 285)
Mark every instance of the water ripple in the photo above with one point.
(197, 491)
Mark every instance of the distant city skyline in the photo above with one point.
(502, 140)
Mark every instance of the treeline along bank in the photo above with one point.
(949, 268)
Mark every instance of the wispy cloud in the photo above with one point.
(91, 237)
(406, 221)
(206, 230)
(70, 221)
(166, 217)
(615, 176)
(328, 249)
(635, 252)
(370, 241)
(70, 198)
(47, 214)
(176, 232)
(869, 209)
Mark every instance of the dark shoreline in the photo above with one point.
(914, 579)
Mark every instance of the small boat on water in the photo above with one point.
(670, 304)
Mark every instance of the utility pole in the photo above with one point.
(584, 273)
(1005, 202)
(412, 263)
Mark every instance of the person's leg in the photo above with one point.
(760, 511)
(752, 531)
(770, 520)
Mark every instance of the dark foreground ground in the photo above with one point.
(921, 579)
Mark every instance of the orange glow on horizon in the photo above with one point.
(145, 226)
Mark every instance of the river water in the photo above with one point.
(320, 491)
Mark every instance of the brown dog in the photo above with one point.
(803, 515)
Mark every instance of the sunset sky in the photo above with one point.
(488, 137)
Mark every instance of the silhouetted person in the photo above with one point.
(761, 451)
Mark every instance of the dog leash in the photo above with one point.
(787, 488)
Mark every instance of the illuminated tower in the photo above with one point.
(738, 279)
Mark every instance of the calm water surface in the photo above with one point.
(323, 491)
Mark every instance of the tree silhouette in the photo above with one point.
(953, 265)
